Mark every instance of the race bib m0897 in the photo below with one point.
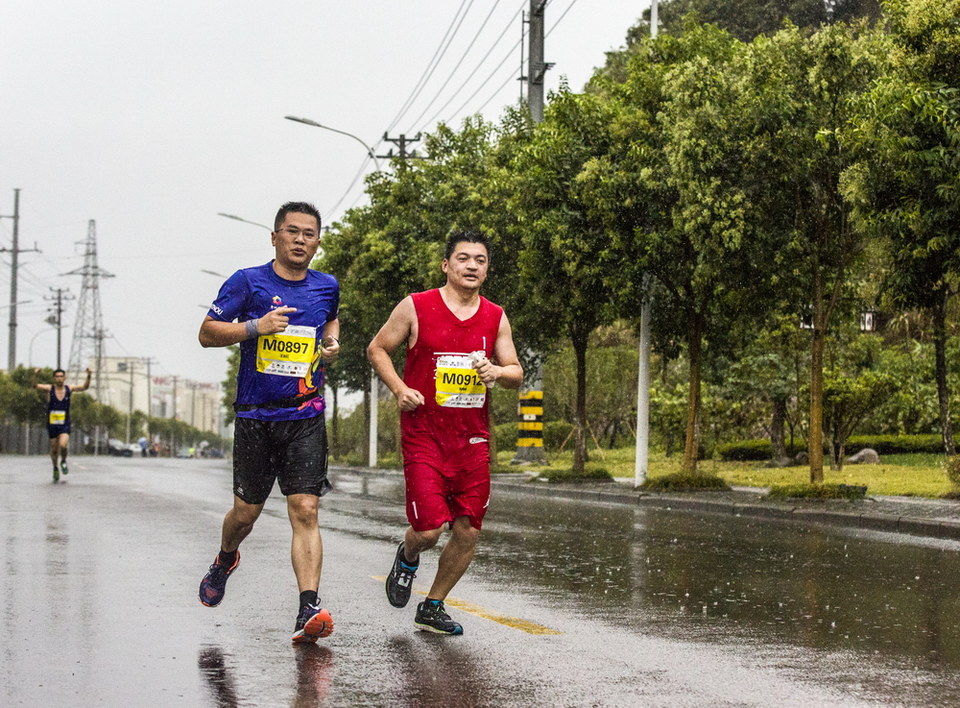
(287, 353)
(457, 383)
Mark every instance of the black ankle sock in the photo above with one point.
(308, 597)
(227, 559)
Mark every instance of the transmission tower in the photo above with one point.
(88, 334)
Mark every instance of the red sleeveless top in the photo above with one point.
(440, 367)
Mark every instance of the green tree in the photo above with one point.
(848, 399)
(908, 191)
(684, 191)
(808, 89)
(565, 245)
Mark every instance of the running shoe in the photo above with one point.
(56, 475)
(63, 467)
(434, 618)
(314, 622)
(400, 579)
(214, 583)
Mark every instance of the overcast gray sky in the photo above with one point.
(152, 117)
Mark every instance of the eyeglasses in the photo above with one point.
(293, 232)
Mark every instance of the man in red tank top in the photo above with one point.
(459, 345)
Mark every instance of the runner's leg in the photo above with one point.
(64, 442)
(306, 547)
(238, 523)
(455, 558)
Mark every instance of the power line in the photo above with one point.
(478, 66)
(457, 66)
(487, 80)
(501, 87)
(356, 177)
(437, 55)
(560, 19)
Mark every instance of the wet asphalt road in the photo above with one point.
(566, 604)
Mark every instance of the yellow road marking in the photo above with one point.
(514, 622)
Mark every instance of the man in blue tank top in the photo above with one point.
(284, 316)
(58, 416)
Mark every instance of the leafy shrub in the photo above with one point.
(506, 435)
(682, 480)
(590, 474)
(952, 467)
(817, 491)
(758, 449)
(761, 449)
(895, 444)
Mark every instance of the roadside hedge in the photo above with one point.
(760, 449)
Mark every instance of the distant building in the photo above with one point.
(124, 384)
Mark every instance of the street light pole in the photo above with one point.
(641, 459)
(315, 124)
(246, 221)
(374, 381)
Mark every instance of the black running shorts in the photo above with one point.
(292, 452)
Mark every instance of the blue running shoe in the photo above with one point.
(214, 583)
(313, 623)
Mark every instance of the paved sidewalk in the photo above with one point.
(917, 516)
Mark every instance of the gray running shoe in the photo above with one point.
(400, 580)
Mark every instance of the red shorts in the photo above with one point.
(445, 488)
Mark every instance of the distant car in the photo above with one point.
(118, 448)
(184, 453)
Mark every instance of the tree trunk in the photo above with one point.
(777, 425)
(815, 433)
(943, 390)
(836, 442)
(580, 412)
(690, 444)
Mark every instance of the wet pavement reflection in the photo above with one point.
(700, 576)
(567, 603)
(873, 603)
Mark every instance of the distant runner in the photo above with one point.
(286, 324)
(453, 337)
(58, 416)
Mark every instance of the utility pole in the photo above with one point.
(173, 437)
(56, 319)
(536, 67)
(149, 361)
(14, 252)
(130, 364)
(530, 399)
(401, 144)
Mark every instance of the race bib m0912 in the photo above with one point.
(457, 383)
